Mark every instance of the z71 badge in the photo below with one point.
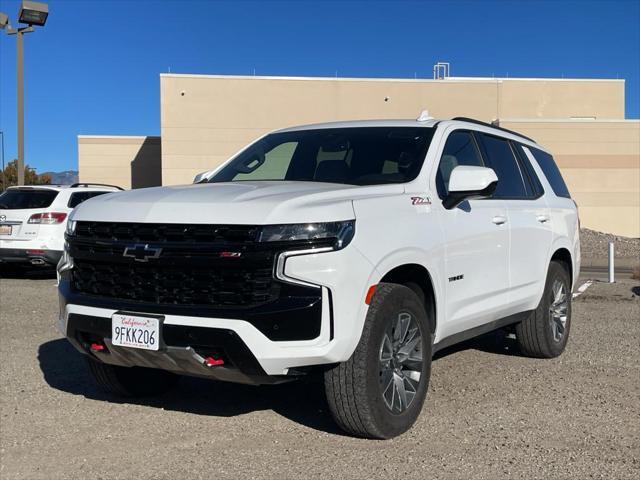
(420, 201)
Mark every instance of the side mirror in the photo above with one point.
(468, 182)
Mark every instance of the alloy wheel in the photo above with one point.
(401, 362)
(558, 310)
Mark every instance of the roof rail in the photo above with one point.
(492, 125)
(89, 184)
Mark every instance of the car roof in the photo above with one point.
(361, 123)
(66, 188)
(471, 124)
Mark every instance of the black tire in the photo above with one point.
(131, 381)
(537, 336)
(354, 388)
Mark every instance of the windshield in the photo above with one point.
(357, 156)
(15, 199)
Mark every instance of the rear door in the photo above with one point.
(529, 220)
(17, 206)
(477, 245)
(562, 209)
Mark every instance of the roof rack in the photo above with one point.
(492, 125)
(89, 184)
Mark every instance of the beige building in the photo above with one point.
(205, 119)
(129, 162)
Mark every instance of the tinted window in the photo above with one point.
(14, 199)
(532, 182)
(551, 171)
(460, 149)
(357, 156)
(501, 159)
(79, 197)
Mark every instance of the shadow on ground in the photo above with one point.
(302, 401)
(27, 272)
(498, 342)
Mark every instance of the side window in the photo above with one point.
(460, 149)
(532, 182)
(78, 197)
(551, 171)
(501, 158)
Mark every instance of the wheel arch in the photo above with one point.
(563, 256)
(417, 278)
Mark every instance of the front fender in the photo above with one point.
(431, 260)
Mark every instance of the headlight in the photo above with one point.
(340, 233)
(71, 227)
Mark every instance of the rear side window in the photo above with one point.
(16, 198)
(504, 163)
(78, 197)
(532, 182)
(551, 171)
(460, 149)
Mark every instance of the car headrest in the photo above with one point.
(405, 160)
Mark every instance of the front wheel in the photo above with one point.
(546, 332)
(380, 390)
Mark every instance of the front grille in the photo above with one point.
(194, 267)
(163, 233)
(166, 284)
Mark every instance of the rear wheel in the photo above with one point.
(131, 381)
(546, 332)
(380, 390)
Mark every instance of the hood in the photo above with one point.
(249, 203)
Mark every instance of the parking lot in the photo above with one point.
(490, 413)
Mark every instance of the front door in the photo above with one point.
(476, 246)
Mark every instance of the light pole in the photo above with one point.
(4, 181)
(31, 13)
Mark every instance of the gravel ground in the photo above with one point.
(595, 244)
(490, 413)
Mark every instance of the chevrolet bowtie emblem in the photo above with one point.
(141, 252)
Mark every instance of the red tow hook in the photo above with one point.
(97, 347)
(213, 362)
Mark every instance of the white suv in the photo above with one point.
(354, 249)
(33, 220)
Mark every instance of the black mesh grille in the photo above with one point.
(174, 284)
(163, 233)
(203, 265)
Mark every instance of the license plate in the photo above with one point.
(135, 332)
(5, 229)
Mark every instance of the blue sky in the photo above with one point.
(94, 68)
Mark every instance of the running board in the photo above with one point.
(480, 330)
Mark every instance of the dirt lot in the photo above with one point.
(490, 412)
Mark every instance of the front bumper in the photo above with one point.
(29, 256)
(250, 355)
(183, 351)
(341, 278)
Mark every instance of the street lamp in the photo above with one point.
(30, 13)
(33, 13)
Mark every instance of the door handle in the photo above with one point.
(543, 218)
(499, 219)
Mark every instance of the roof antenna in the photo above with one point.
(424, 116)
